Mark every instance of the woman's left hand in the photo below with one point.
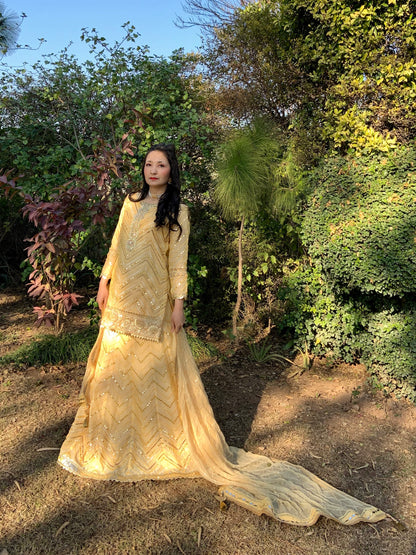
(178, 316)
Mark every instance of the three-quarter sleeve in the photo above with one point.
(178, 257)
(112, 254)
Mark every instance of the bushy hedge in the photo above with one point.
(388, 349)
(354, 295)
(361, 222)
(328, 323)
(382, 335)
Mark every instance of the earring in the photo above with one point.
(170, 181)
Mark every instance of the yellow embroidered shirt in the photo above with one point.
(147, 267)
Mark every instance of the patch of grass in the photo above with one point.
(76, 346)
(54, 349)
(261, 352)
(201, 350)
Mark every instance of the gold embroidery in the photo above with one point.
(146, 265)
(135, 325)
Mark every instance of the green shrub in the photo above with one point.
(353, 297)
(315, 314)
(378, 333)
(361, 222)
(13, 230)
(209, 256)
(389, 350)
(196, 273)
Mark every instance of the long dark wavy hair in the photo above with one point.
(168, 205)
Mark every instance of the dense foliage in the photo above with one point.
(333, 73)
(53, 115)
(337, 77)
(355, 296)
(361, 223)
(388, 348)
(13, 231)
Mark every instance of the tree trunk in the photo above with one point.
(240, 279)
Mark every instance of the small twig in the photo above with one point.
(9, 504)
(180, 548)
(199, 536)
(360, 467)
(64, 525)
(18, 485)
(167, 537)
(48, 449)
(393, 519)
(109, 497)
(378, 534)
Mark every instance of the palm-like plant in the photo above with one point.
(244, 181)
(9, 29)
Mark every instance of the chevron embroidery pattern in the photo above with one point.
(131, 428)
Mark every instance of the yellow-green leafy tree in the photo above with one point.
(335, 74)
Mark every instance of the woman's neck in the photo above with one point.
(155, 195)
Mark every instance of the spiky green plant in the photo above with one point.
(261, 352)
(246, 179)
(9, 29)
(201, 350)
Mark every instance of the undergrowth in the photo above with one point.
(76, 346)
(200, 349)
(54, 349)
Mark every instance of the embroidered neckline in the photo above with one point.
(143, 203)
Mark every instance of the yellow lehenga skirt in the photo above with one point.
(144, 414)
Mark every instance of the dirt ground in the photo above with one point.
(327, 419)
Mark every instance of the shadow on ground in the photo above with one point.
(308, 421)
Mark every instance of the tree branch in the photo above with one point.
(209, 14)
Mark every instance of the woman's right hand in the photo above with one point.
(102, 295)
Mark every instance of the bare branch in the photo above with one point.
(209, 14)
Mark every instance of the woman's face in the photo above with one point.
(157, 171)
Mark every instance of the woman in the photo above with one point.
(144, 413)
